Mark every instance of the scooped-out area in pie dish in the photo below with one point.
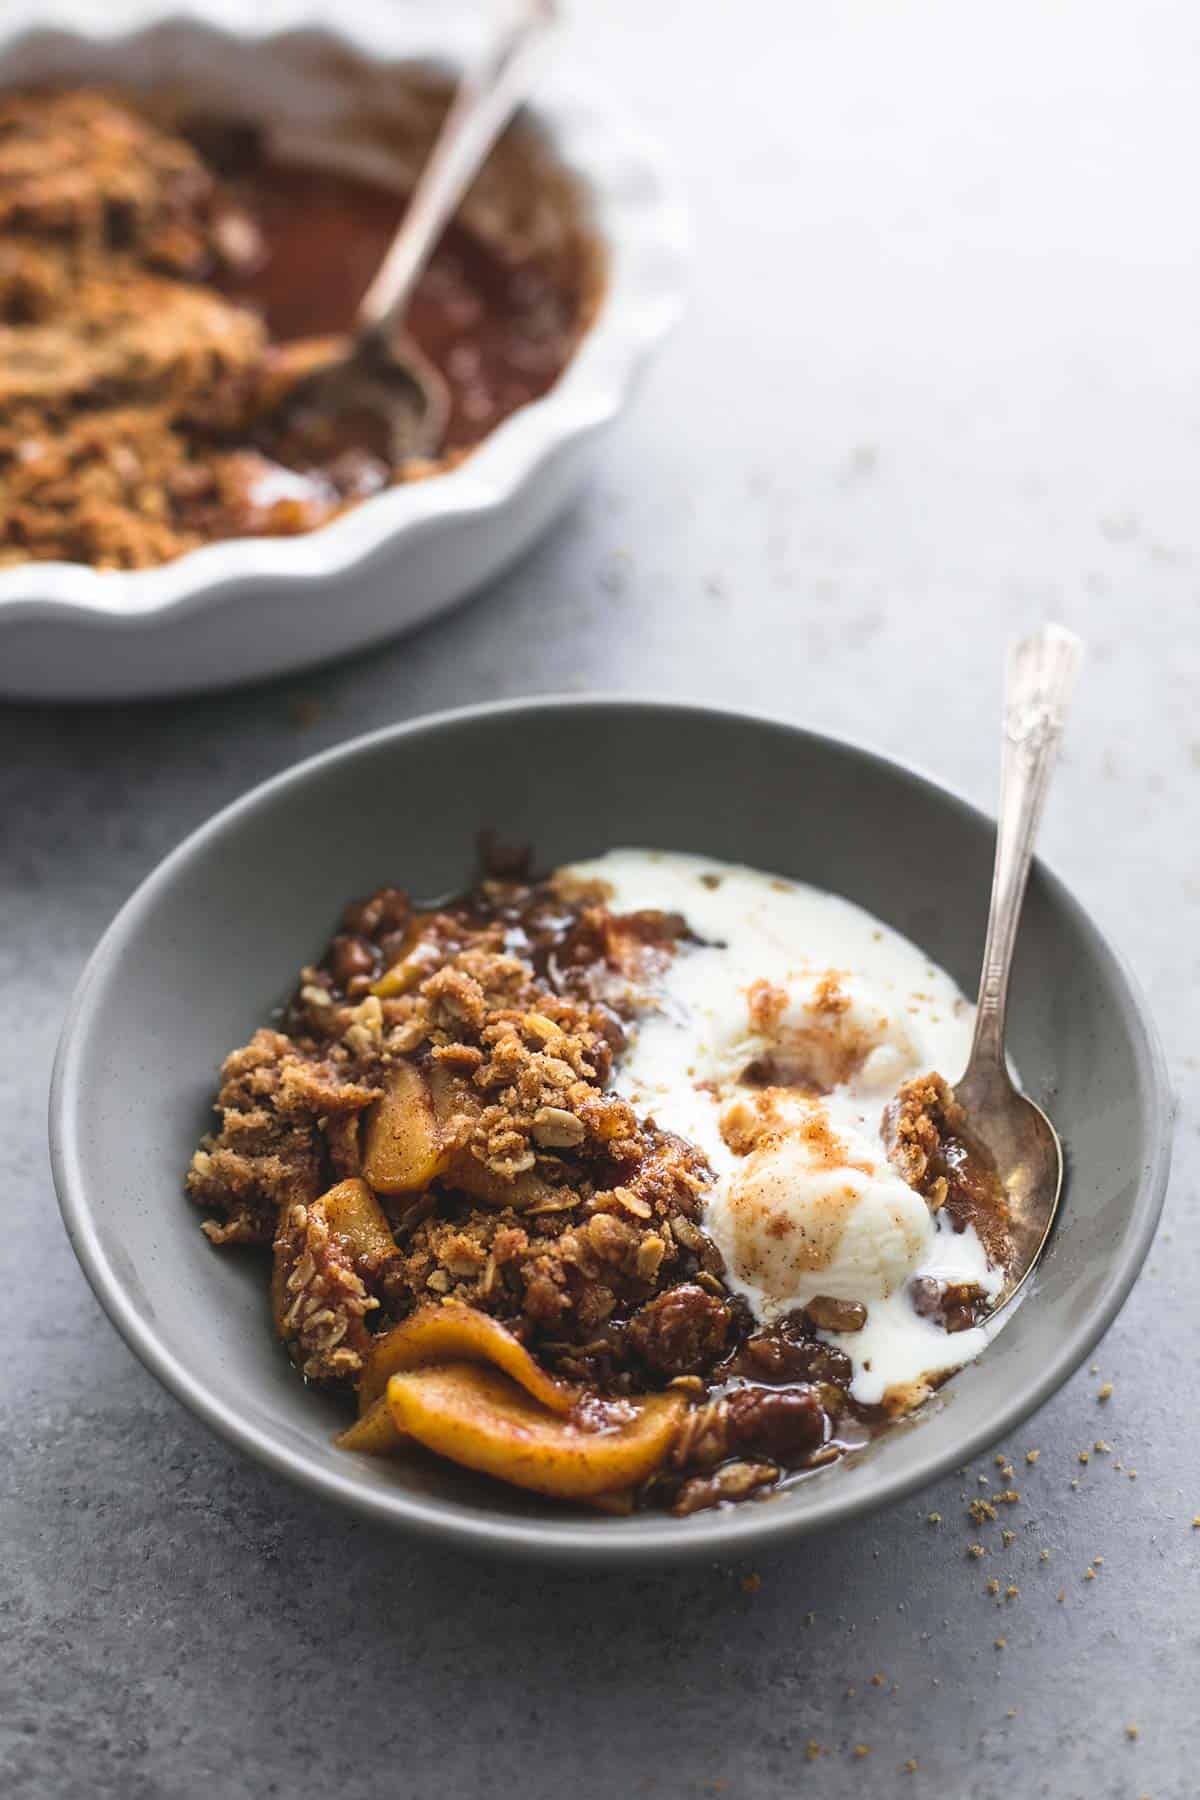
(636, 1186)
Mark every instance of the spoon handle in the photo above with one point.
(482, 106)
(1040, 679)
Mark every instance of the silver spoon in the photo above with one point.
(382, 380)
(1021, 1139)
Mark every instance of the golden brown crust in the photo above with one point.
(932, 1147)
(110, 353)
(915, 1123)
(80, 170)
(276, 1105)
(554, 1207)
(587, 1211)
(321, 1299)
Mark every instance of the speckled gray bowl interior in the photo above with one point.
(214, 937)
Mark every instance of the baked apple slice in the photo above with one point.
(477, 1416)
(358, 1223)
(402, 1144)
(457, 1333)
(375, 1433)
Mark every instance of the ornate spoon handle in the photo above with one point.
(1039, 683)
(482, 106)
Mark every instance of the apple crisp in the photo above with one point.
(507, 1261)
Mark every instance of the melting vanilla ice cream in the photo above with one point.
(774, 1045)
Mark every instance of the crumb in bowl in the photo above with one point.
(165, 282)
(631, 1186)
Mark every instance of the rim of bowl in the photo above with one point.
(650, 1538)
(639, 217)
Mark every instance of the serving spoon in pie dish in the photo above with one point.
(381, 388)
(1023, 1143)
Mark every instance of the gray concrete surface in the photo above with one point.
(953, 252)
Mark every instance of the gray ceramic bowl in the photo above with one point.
(213, 938)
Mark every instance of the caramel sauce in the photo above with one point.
(496, 326)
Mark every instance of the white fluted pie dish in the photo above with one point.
(248, 608)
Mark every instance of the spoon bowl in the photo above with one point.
(388, 399)
(1028, 1157)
